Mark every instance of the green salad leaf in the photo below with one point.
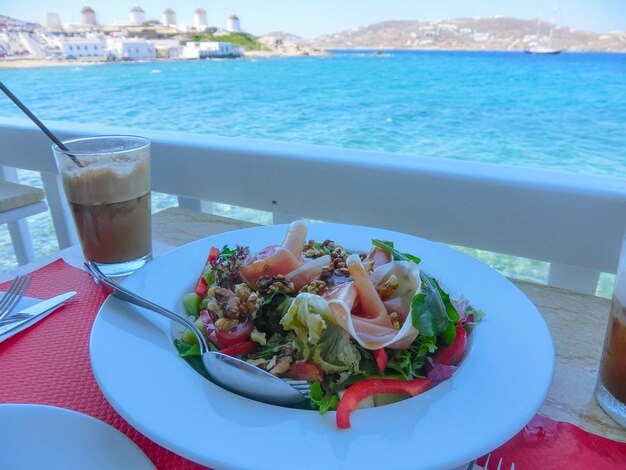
(397, 256)
(322, 400)
(409, 362)
(307, 316)
(335, 351)
(428, 317)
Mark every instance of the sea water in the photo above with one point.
(565, 112)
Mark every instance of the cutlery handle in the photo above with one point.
(130, 297)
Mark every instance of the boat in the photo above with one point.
(545, 48)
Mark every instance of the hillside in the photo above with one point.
(494, 33)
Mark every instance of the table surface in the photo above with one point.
(577, 322)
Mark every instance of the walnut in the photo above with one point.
(276, 284)
(225, 323)
(329, 243)
(314, 287)
(395, 321)
(314, 253)
(369, 265)
(327, 272)
(228, 302)
(385, 289)
(342, 272)
(282, 365)
(250, 301)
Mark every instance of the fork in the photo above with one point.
(486, 466)
(14, 294)
(302, 386)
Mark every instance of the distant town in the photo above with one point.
(134, 39)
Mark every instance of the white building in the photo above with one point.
(232, 25)
(169, 17)
(52, 22)
(168, 48)
(88, 16)
(199, 19)
(137, 15)
(208, 50)
(131, 48)
(81, 48)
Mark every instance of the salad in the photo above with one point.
(365, 329)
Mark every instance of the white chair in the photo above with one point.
(18, 201)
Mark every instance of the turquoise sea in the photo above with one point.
(564, 112)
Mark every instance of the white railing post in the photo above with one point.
(18, 230)
(575, 278)
(59, 210)
(190, 203)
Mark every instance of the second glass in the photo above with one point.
(611, 387)
(107, 184)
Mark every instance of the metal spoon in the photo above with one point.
(229, 372)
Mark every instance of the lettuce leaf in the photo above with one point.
(321, 400)
(307, 317)
(335, 352)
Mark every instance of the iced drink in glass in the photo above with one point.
(611, 387)
(107, 184)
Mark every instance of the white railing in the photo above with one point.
(575, 222)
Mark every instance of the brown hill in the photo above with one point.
(495, 33)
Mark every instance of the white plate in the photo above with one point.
(500, 385)
(41, 436)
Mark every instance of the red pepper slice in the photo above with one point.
(452, 355)
(366, 388)
(242, 349)
(201, 286)
(380, 355)
(214, 253)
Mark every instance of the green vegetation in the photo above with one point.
(248, 41)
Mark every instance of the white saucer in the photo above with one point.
(41, 436)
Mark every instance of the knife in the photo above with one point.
(21, 320)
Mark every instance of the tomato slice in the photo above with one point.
(366, 388)
(305, 371)
(237, 334)
(201, 286)
(380, 355)
(241, 349)
(452, 355)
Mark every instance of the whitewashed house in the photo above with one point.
(209, 50)
(168, 48)
(131, 48)
(81, 48)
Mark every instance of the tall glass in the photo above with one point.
(611, 387)
(107, 184)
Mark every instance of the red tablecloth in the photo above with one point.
(49, 364)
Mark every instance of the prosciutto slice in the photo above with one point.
(370, 326)
(407, 275)
(285, 259)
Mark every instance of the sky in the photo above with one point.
(310, 18)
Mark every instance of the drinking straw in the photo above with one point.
(39, 123)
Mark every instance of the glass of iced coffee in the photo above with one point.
(611, 387)
(107, 184)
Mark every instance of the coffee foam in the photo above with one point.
(107, 179)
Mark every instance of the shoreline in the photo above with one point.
(36, 63)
